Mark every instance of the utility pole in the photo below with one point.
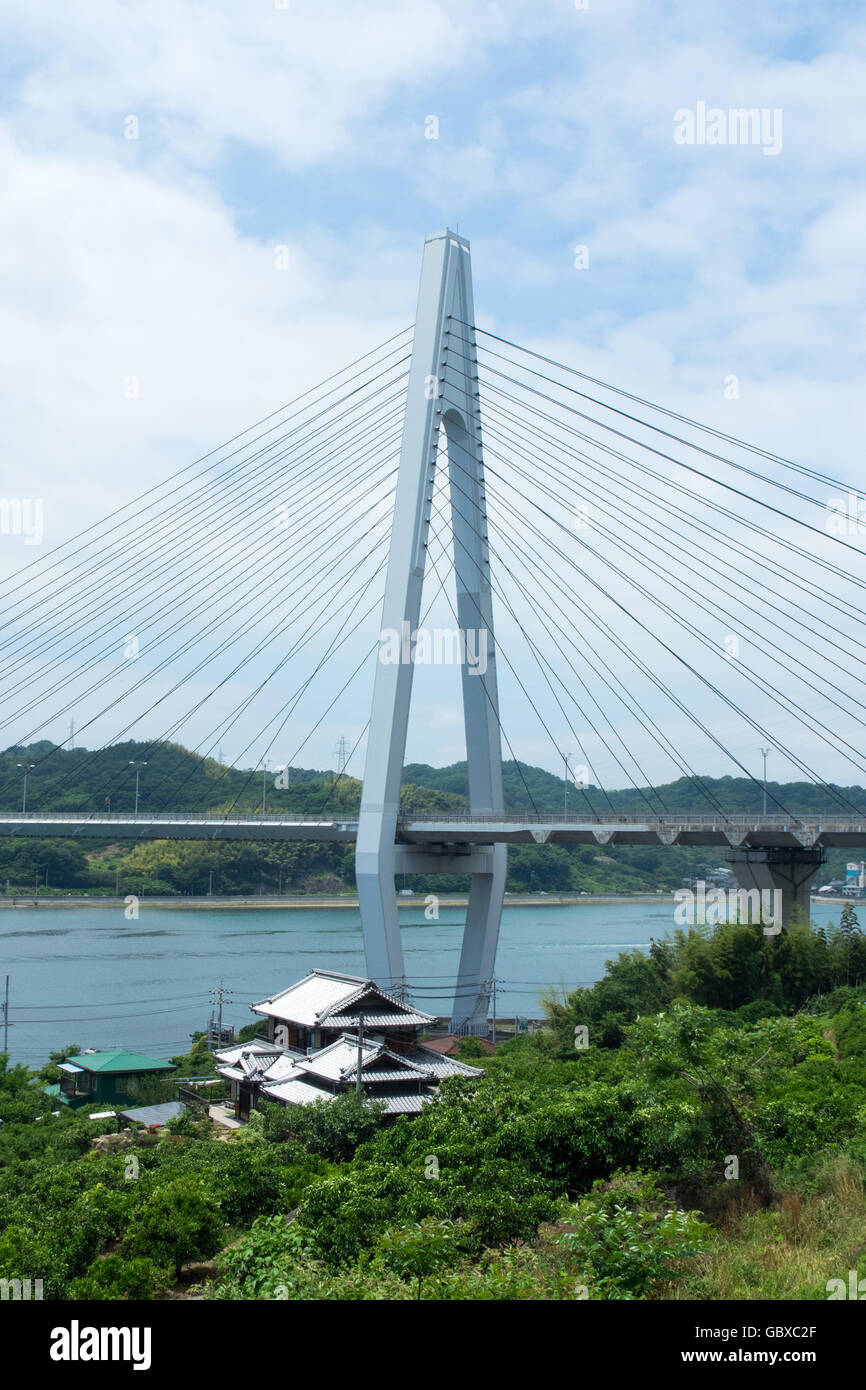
(220, 992)
(117, 883)
(358, 1090)
(766, 753)
(493, 984)
(210, 884)
(6, 1018)
(264, 785)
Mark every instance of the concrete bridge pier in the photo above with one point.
(787, 869)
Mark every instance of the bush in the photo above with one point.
(849, 1029)
(469, 1048)
(117, 1278)
(177, 1223)
(758, 1009)
(332, 1129)
(626, 1237)
(190, 1124)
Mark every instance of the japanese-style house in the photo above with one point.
(315, 1011)
(97, 1078)
(313, 1050)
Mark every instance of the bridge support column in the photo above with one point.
(789, 870)
(442, 398)
(480, 937)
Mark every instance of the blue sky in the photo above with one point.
(304, 126)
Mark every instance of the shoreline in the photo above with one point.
(270, 902)
(298, 903)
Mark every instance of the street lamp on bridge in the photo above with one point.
(137, 766)
(765, 753)
(566, 757)
(28, 768)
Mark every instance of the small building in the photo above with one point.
(154, 1115)
(323, 1005)
(93, 1078)
(319, 1031)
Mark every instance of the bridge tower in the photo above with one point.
(445, 309)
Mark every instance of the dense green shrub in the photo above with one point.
(625, 1237)
(116, 1277)
(331, 1129)
(177, 1223)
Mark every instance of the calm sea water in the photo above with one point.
(86, 975)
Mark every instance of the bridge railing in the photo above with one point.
(669, 820)
(685, 820)
(189, 817)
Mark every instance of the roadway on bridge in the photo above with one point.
(808, 831)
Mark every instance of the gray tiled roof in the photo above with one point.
(409, 1019)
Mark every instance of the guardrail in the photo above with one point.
(109, 818)
(669, 820)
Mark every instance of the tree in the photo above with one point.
(331, 1128)
(634, 984)
(15, 1079)
(51, 1072)
(684, 1042)
(848, 922)
(416, 1251)
(852, 943)
(177, 1223)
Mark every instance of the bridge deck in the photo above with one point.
(734, 832)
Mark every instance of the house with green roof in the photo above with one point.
(94, 1078)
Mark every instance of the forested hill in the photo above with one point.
(172, 778)
(529, 788)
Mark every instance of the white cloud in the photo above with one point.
(139, 258)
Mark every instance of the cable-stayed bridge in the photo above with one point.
(655, 585)
(434, 832)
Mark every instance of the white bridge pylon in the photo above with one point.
(445, 311)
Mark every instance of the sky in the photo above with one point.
(224, 203)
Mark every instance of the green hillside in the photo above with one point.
(176, 779)
(528, 788)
